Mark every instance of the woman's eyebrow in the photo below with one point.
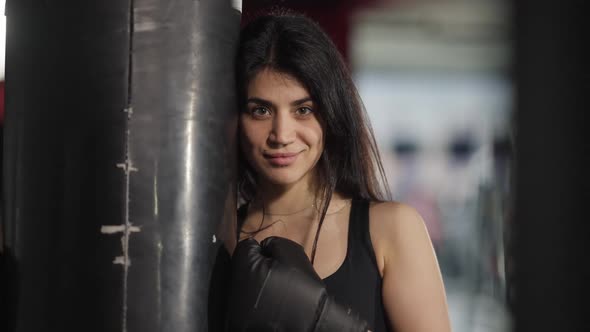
(301, 101)
(260, 101)
(268, 103)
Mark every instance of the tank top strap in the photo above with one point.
(358, 231)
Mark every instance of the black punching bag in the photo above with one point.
(118, 163)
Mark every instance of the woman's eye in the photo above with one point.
(304, 111)
(260, 111)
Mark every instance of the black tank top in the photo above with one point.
(357, 282)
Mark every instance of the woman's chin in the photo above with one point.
(282, 178)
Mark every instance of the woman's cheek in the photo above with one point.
(248, 143)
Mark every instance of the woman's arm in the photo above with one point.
(413, 291)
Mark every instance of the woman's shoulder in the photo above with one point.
(391, 213)
(395, 228)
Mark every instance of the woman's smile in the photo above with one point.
(281, 159)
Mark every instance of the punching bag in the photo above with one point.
(119, 161)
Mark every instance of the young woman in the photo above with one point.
(310, 172)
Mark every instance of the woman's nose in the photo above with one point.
(283, 130)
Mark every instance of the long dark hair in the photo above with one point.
(293, 44)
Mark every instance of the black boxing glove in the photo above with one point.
(275, 288)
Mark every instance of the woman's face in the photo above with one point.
(281, 136)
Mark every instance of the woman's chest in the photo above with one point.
(331, 242)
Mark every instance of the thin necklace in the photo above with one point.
(288, 214)
(261, 228)
(347, 202)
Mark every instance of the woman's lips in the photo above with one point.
(281, 159)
